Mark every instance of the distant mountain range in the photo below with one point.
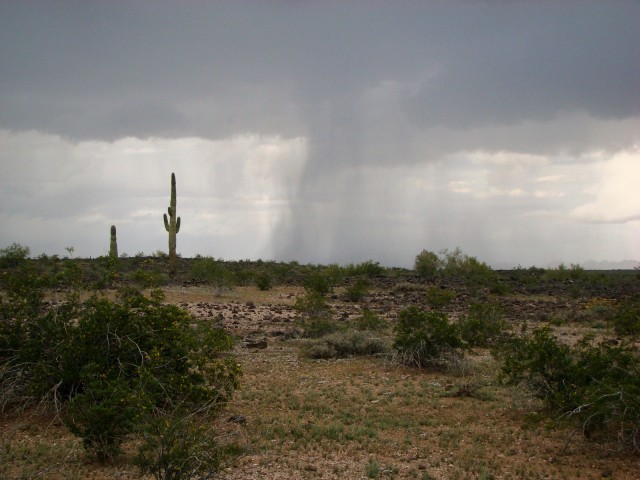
(607, 265)
(588, 265)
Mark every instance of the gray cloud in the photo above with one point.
(375, 88)
(471, 63)
(533, 62)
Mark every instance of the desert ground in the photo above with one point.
(366, 416)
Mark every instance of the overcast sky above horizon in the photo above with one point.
(323, 131)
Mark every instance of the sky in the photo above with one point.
(323, 131)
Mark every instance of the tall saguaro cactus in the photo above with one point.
(172, 225)
(113, 246)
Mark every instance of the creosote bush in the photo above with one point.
(369, 320)
(182, 444)
(348, 343)
(427, 264)
(358, 289)
(318, 283)
(596, 385)
(312, 305)
(483, 325)
(148, 278)
(626, 319)
(426, 338)
(563, 273)
(14, 255)
(313, 309)
(263, 281)
(440, 297)
(108, 367)
(457, 265)
(368, 268)
(316, 327)
(212, 272)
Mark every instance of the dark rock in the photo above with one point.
(239, 419)
(259, 344)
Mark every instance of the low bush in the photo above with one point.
(263, 281)
(440, 297)
(427, 264)
(483, 325)
(312, 305)
(212, 272)
(425, 338)
(626, 319)
(601, 308)
(180, 445)
(335, 273)
(108, 366)
(368, 268)
(14, 255)
(370, 321)
(103, 273)
(596, 385)
(316, 327)
(457, 265)
(148, 278)
(318, 283)
(358, 289)
(563, 273)
(105, 412)
(347, 344)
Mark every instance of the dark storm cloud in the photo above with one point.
(75, 67)
(535, 61)
(372, 86)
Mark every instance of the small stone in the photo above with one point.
(260, 344)
(239, 419)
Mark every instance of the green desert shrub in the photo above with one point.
(626, 319)
(180, 445)
(425, 338)
(427, 264)
(543, 363)
(148, 278)
(318, 283)
(563, 273)
(105, 412)
(457, 265)
(348, 343)
(263, 281)
(312, 305)
(358, 289)
(483, 325)
(369, 320)
(103, 273)
(14, 255)
(440, 297)
(212, 272)
(367, 268)
(317, 327)
(107, 366)
(335, 273)
(596, 385)
(601, 308)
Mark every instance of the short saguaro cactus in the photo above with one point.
(113, 246)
